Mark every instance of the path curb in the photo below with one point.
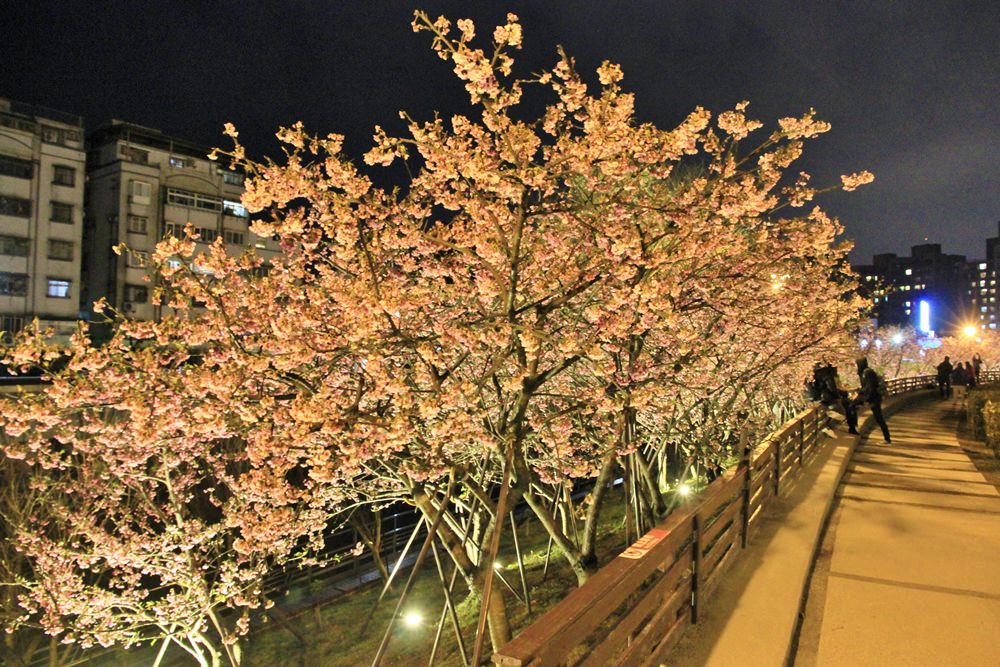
(755, 620)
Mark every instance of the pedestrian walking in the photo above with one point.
(959, 379)
(977, 365)
(872, 393)
(944, 370)
(971, 378)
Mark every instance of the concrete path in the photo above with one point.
(909, 573)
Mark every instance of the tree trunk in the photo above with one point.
(499, 626)
(571, 553)
(588, 548)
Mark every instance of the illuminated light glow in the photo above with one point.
(412, 619)
(924, 315)
(897, 338)
(684, 490)
(970, 330)
(497, 565)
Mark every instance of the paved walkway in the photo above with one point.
(909, 572)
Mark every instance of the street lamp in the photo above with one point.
(970, 330)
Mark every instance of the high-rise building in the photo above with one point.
(143, 185)
(983, 285)
(41, 216)
(929, 290)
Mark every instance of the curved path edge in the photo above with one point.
(754, 617)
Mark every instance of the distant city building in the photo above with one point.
(928, 290)
(143, 185)
(41, 216)
(984, 286)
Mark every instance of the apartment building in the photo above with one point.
(929, 290)
(41, 216)
(983, 285)
(143, 185)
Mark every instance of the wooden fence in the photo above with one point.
(633, 610)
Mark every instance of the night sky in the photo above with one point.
(912, 88)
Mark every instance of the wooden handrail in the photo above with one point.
(657, 585)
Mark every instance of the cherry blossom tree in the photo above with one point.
(547, 302)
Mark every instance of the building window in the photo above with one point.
(57, 288)
(193, 200)
(133, 154)
(10, 325)
(14, 246)
(233, 237)
(136, 293)
(140, 192)
(232, 178)
(234, 208)
(58, 135)
(205, 234)
(137, 224)
(63, 175)
(137, 259)
(909, 272)
(61, 250)
(13, 284)
(12, 166)
(181, 162)
(62, 212)
(15, 206)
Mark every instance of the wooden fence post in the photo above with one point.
(695, 564)
(747, 481)
(802, 440)
(777, 466)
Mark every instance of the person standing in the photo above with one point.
(871, 393)
(944, 370)
(958, 378)
(977, 365)
(862, 364)
(971, 377)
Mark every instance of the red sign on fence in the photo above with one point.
(644, 544)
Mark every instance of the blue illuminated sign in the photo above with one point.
(924, 315)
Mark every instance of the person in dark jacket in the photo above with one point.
(870, 394)
(959, 378)
(862, 364)
(944, 370)
(971, 378)
(977, 365)
(827, 383)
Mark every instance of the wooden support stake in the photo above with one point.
(520, 564)
(431, 533)
(477, 651)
